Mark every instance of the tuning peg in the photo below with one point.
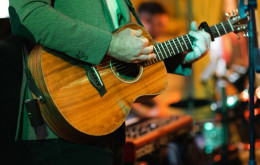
(245, 34)
(238, 14)
(238, 28)
(227, 15)
(234, 13)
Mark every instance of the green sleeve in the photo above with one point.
(42, 24)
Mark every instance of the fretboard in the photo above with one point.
(184, 43)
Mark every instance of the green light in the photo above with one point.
(231, 101)
(208, 150)
(208, 126)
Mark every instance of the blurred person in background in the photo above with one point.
(155, 19)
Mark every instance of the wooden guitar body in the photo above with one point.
(74, 108)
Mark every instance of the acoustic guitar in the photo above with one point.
(84, 102)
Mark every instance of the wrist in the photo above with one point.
(110, 50)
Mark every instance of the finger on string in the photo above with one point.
(145, 41)
(206, 36)
(146, 57)
(136, 33)
(198, 37)
(152, 56)
(189, 57)
(194, 26)
(202, 47)
(147, 50)
(196, 50)
(136, 61)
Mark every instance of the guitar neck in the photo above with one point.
(184, 43)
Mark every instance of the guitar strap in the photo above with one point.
(32, 105)
(31, 83)
(131, 8)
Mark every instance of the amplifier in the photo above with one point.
(146, 136)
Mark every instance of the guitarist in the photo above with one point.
(82, 29)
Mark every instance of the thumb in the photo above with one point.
(137, 33)
(194, 26)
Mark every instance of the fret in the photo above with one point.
(157, 53)
(184, 42)
(224, 27)
(213, 31)
(230, 24)
(189, 39)
(221, 29)
(145, 63)
(171, 46)
(150, 62)
(154, 60)
(163, 50)
(217, 30)
(180, 44)
(176, 45)
(167, 49)
(228, 27)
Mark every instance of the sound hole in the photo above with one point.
(125, 71)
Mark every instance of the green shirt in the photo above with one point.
(81, 29)
(114, 12)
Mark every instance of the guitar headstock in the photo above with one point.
(239, 24)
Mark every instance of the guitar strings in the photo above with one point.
(173, 43)
(108, 63)
(160, 54)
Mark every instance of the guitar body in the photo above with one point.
(74, 109)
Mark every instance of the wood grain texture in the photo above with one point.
(74, 109)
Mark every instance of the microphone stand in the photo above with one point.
(250, 7)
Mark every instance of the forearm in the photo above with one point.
(39, 22)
